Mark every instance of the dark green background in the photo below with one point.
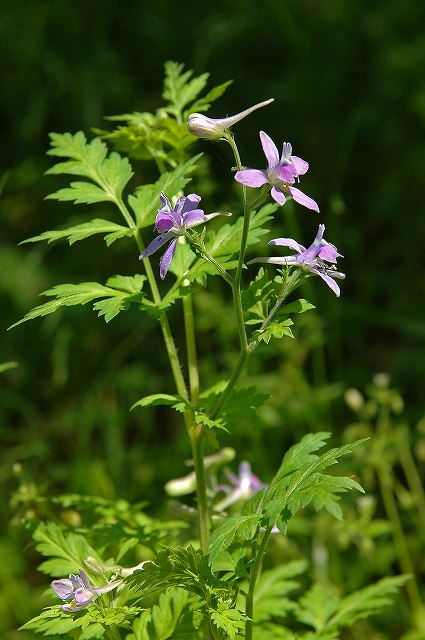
(348, 82)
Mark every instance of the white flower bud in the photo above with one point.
(214, 128)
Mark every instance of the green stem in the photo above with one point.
(196, 431)
(126, 214)
(386, 484)
(240, 366)
(165, 326)
(207, 255)
(196, 440)
(251, 346)
(411, 471)
(192, 359)
(249, 610)
(403, 554)
(237, 295)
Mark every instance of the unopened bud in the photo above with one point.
(181, 486)
(94, 566)
(354, 399)
(214, 128)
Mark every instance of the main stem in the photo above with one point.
(249, 609)
(195, 430)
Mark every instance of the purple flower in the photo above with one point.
(79, 591)
(313, 259)
(245, 484)
(280, 173)
(173, 222)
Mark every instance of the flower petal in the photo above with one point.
(288, 173)
(192, 218)
(329, 253)
(191, 202)
(329, 281)
(166, 204)
(166, 259)
(163, 222)
(64, 588)
(288, 242)
(85, 579)
(278, 196)
(251, 177)
(156, 244)
(270, 150)
(84, 596)
(301, 198)
(73, 606)
(300, 165)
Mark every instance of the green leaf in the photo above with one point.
(306, 483)
(173, 617)
(203, 104)
(67, 295)
(85, 230)
(222, 537)
(275, 329)
(51, 622)
(231, 621)
(272, 588)
(179, 89)
(176, 402)
(66, 550)
(325, 611)
(177, 567)
(81, 193)
(89, 160)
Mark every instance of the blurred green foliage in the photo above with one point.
(349, 89)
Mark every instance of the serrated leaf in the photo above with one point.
(226, 531)
(325, 611)
(51, 622)
(176, 402)
(85, 230)
(231, 621)
(307, 484)
(272, 588)
(298, 306)
(179, 89)
(66, 550)
(81, 193)
(108, 175)
(67, 295)
(276, 329)
(204, 103)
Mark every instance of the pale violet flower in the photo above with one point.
(315, 258)
(78, 590)
(244, 485)
(214, 128)
(281, 173)
(172, 222)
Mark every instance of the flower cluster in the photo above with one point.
(283, 171)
